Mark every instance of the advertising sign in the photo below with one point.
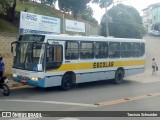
(33, 23)
(74, 26)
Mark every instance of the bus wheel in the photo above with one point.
(118, 77)
(66, 83)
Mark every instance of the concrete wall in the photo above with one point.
(5, 49)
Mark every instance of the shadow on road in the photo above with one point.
(27, 91)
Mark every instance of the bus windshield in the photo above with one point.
(29, 55)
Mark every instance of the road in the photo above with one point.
(136, 93)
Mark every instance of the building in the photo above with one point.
(151, 17)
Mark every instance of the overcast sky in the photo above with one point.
(138, 4)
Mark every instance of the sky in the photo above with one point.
(138, 4)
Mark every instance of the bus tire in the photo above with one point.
(67, 82)
(118, 76)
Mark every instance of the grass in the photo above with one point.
(31, 7)
(6, 26)
(36, 8)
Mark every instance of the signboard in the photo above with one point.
(33, 23)
(74, 26)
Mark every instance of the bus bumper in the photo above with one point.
(39, 83)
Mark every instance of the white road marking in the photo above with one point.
(52, 102)
(69, 119)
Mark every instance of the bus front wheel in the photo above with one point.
(66, 83)
(118, 77)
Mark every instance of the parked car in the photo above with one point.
(154, 32)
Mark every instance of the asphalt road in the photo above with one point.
(136, 93)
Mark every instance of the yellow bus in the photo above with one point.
(63, 60)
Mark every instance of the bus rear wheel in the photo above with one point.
(118, 77)
(67, 82)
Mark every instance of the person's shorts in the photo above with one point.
(153, 66)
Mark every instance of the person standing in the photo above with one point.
(2, 68)
(154, 65)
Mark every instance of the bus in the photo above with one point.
(46, 60)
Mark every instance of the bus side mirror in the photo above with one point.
(12, 48)
(40, 68)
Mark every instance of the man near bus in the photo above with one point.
(2, 68)
(154, 65)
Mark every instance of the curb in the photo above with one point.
(14, 85)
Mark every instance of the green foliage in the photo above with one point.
(73, 6)
(87, 15)
(51, 3)
(5, 5)
(36, 8)
(126, 22)
(78, 8)
(103, 3)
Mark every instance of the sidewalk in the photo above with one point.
(13, 84)
(146, 77)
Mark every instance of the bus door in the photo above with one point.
(54, 56)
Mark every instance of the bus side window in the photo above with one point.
(114, 50)
(125, 50)
(136, 50)
(86, 50)
(101, 49)
(142, 49)
(71, 50)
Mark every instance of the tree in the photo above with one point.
(126, 22)
(88, 15)
(51, 3)
(103, 3)
(7, 8)
(75, 7)
(4, 5)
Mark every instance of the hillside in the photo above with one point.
(36, 8)
(32, 7)
(7, 27)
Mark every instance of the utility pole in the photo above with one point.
(106, 19)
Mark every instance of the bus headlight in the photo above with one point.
(14, 75)
(36, 78)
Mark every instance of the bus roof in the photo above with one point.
(65, 37)
(92, 38)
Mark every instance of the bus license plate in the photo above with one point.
(23, 81)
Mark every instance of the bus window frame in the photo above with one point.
(93, 50)
(71, 50)
(60, 63)
(112, 54)
(106, 51)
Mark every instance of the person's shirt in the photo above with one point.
(154, 63)
(1, 66)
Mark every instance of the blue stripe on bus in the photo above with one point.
(40, 83)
